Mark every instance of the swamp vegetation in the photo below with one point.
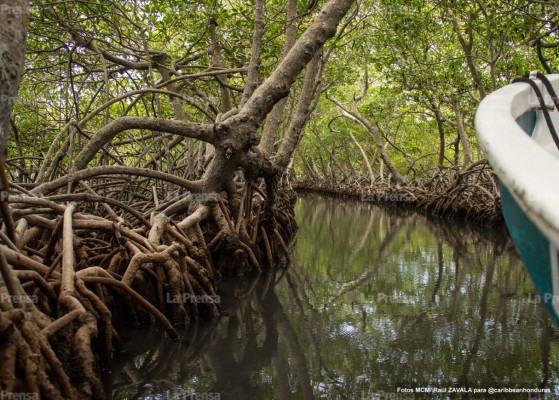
(148, 149)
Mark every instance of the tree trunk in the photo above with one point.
(271, 127)
(365, 160)
(467, 47)
(440, 126)
(462, 133)
(302, 114)
(13, 31)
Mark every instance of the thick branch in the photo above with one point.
(23, 262)
(49, 187)
(278, 85)
(218, 63)
(302, 113)
(202, 132)
(467, 47)
(274, 118)
(253, 78)
(462, 133)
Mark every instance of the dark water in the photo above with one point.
(373, 304)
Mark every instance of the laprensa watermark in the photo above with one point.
(384, 395)
(200, 197)
(5, 99)
(14, 10)
(183, 395)
(190, 298)
(19, 299)
(7, 395)
(388, 197)
(545, 298)
(397, 298)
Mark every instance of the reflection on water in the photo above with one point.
(372, 302)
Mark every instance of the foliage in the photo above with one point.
(412, 58)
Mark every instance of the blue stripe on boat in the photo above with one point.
(534, 249)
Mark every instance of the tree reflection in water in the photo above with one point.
(372, 302)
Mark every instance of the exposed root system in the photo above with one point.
(79, 261)
(471, 195)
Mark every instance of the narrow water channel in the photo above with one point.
(373, 302)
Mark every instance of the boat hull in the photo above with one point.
(537, 252)
(513, 133)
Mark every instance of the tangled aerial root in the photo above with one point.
(471, 195)
(77, 265)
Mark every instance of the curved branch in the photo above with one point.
(141, 92)
(202, 132)
(86, 197)
(143, 302)
(48, 187)
(213, 72)
(356, 117)
(273, 119)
